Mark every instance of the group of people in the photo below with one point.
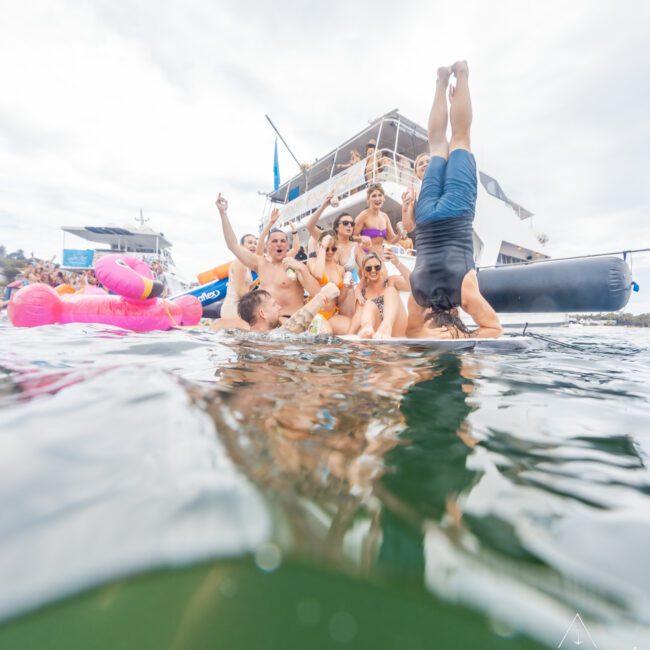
(345, 277)
(47, 273)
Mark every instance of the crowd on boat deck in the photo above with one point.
(346, 275)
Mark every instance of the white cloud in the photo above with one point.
(111, 107)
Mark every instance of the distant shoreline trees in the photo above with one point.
(619, 319)
(12, 263)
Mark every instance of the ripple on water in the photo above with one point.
(516, 485)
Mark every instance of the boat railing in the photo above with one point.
(385, 165)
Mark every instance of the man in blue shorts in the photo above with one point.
(444, 277)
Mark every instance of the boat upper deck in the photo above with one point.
(397, 141)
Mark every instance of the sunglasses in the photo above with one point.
(346, 223)
(331, 249)
(373, 267)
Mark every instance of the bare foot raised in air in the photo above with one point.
(366, 332)
(443, 75)
(460, 67)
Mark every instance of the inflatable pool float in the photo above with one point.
(135, 308)
(212, 289)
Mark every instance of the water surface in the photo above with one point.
(184, 489)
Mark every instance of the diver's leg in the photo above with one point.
(438, 117)
(461, 108)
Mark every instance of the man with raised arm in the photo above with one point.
(444, 277)
(274, 273)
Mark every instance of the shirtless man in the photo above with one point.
(272, 271)
(444, 277)
(376, 162)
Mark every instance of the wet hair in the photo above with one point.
(446, 317)
(249, 304)
(337, 221)
(325, 233)
(372, 188)
(243, 238)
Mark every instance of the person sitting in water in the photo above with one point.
(380, 313)
(285, 278)
(262, 312)
(325, 269)
(374, 223)
(444, 277)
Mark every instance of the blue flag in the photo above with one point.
(276, 167)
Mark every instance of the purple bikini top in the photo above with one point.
(374, 232)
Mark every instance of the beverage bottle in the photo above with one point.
(335, 201)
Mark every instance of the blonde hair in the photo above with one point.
(417, 160)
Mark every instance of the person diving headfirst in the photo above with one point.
(444, 277)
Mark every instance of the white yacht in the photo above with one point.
(139, 241)
(503, 231)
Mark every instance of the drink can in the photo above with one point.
(347, 279)
(291, 274)
(335, 201)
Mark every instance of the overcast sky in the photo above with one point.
(107, 107)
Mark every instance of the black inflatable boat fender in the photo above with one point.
(588, 284)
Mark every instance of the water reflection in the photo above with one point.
(376, 467)
(359, 453)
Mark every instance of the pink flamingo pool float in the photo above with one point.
(137, 307)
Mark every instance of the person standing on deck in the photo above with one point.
(285, 278)
(444, 277)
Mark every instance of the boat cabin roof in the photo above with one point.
(122, 238)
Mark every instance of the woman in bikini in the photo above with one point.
(374, 223)
(348, 247)
(382, 315)
(240, 280)
(324, 268)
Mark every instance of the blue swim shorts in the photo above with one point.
(448, 188)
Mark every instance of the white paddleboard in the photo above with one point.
(502, 344)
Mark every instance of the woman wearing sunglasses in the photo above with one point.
(444, 277)
(348, 248)
(382, 314)
(325, 269)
